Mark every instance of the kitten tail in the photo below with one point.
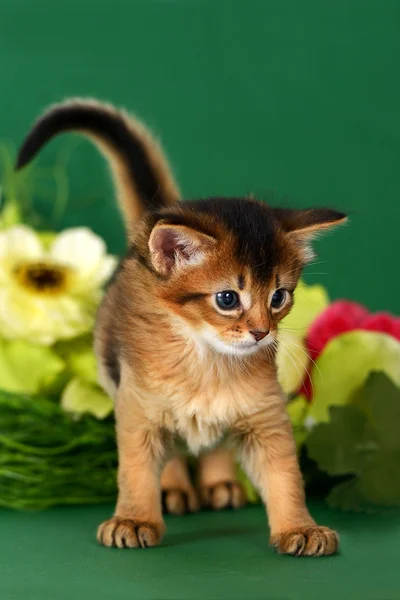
(142, 176)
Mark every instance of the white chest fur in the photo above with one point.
(203, 418)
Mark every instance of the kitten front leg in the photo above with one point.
(269, 456)
(137, 522)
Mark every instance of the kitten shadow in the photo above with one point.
(194, 536)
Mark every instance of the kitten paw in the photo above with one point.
(129, 533)
(176, 501)
(227, 494)
(307, 541)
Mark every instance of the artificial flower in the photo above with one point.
(292, 362)
(341, 317)
(298, 410)
(82, 394)
(383, 322)
(79, 357)
(310, 302)
(48, 294)
(345, 365)
(292, 357)
(10, 213)
(80, 397)
(28, 368)
(360, 446)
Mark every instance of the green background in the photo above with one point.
(294, 101)
(297, 102)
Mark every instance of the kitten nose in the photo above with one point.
(258, 334)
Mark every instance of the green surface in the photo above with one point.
(54, 556)
(299, 100)
(292, 100)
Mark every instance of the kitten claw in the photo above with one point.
(180, 502)
(227, 494)
(307, 541)
(129, 533)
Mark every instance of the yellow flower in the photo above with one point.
(292, 361)
(50, 292)
(310, 301)
(292, 358)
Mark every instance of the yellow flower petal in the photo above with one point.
(105, 269)
(292, 361)
(80, 249)
(20, 243)
(310, 301)
(25, 316)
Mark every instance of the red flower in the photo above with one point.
(339, 317)
(342, 316)
(383, 322)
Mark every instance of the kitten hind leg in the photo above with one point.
(178, 494)
(218, 484)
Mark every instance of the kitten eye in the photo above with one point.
(278, 298)
(227, 300)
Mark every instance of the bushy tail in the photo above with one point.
(141, 173)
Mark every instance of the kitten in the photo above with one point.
(186, 339)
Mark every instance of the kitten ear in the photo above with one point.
(305, 225)
(177, 245)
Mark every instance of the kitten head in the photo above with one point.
(227, 268)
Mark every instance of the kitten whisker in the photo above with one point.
(302, 330)
(309, 357)
(289, 329)
(305, 368)
(313, 264)
(292, 357)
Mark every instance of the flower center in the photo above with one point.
(42, 277)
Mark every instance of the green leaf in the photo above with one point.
(380, 401)
(10, 215)
(345, 365)
(79, 357)
(362, 439)
(298, 410)
(348, 496)
(379, 481)
(80, 397)
(335, 445)
(28, 368)
(47, 238)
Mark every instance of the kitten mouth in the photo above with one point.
(246, 345)
(246, 349)
(250, 347)
(235, 348)
(243, 349)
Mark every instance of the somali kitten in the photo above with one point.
(186, 340)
